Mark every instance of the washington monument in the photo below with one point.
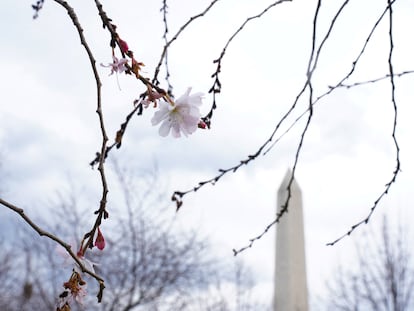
(291, 292)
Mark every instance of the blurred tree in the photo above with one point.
(6, 280)
(148, 263)
(383, 279)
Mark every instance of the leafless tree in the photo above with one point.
(148, 264)
(151, 261)
(384, 277)
(231, 291)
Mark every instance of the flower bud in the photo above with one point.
(100, 240)
(124, 46)
(202, 125)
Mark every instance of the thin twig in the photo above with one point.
(216, 87)
(116, 41)
(372, 81)
(101, 212)
(397, 148)
(340, 84)
(164, 11)
(313, 61)
(169, 42)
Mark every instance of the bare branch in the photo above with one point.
(164, 11)
(169, 42)
(397, 148)
(216, 87)
(308, 84)
(312, 65)
(52, 237)
(372, 81)
(341, 82)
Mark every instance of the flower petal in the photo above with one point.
(183, 98)
(176, 130)
(165, 128)
(160, 115)
(196, 99)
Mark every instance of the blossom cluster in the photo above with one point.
(75, 290)
(75, 287)
(178, 117)
(181, 116)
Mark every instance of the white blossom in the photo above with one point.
(181, 116)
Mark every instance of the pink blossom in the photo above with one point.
(75, 290)
(181, 116)
(117, 66)
(152, 97)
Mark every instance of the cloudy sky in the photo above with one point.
(49, 129)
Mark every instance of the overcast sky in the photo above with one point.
(49, 129)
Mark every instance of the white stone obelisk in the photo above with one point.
(291, 291)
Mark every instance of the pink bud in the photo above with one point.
(100, 241)
(202, 124)
(124, 46)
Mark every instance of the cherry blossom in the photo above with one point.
(181, 116)
(152, 97)
(117, 66)
(75, 290)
